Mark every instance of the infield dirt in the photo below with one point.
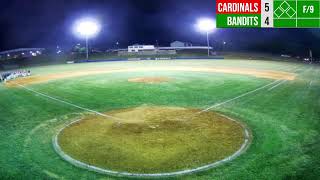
(277, 75)
(152, 139)
(150, 80)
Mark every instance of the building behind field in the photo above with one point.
(180, 44)
(145, 50)
(183, 48)
(138, 48)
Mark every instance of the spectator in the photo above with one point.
(14, 75)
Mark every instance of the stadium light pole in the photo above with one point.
(208, 42)
(206, 25)
(87, 47)
(87, 28)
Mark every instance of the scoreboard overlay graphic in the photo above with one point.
(268, 13)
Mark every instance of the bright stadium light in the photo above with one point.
(86, 28)
(208, 26)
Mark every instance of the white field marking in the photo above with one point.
(28, 142)
(238, 97)
(310, 84)
(277, 85)
(294, 69)
(311, 81)
(68, 103)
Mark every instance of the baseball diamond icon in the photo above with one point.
(285, 11)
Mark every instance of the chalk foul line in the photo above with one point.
(277, 85)
(238, 97)
(68, 103)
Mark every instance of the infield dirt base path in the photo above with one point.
(276, 75)
(150, 80)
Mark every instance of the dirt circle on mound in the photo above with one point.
(152, 142)
(150, 80)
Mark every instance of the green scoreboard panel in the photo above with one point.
(268, 13)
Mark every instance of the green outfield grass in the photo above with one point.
(284, 121)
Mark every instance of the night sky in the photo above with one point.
(47, 23)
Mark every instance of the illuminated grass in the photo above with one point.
(152, 140)
(284, 121)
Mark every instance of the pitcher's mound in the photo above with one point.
(152, 139)
(150, 80)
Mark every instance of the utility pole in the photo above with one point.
(87, 47)
(311, 56)
(208, 44)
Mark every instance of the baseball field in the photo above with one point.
(188, 119)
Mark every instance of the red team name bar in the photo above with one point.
(238, 7)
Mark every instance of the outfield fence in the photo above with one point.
(149, 58)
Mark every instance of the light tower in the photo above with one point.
(206, 25)
(86, 28)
